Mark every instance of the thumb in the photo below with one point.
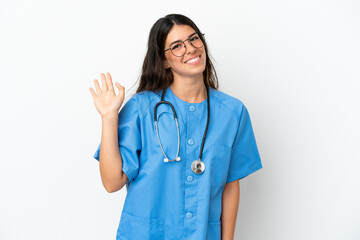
(121, 88)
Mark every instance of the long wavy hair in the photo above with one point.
(154, 75)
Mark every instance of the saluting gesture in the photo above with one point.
(105, 99)
(175, 198)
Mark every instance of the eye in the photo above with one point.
(195, 38)
(176, 46)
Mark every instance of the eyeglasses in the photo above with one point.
(178, 49)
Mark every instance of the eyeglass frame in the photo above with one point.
(183, 42)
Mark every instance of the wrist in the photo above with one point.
(109, 116)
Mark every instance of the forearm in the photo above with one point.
(230, 204)
(110, 158)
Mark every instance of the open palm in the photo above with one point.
(105, 99)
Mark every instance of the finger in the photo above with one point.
(93, 94)
(97, 86)
(109, 82)
(121, 88)
(103, 83)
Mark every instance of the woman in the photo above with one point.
(181, 173)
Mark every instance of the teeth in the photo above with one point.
(193, 60)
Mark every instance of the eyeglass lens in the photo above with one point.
(179, 49)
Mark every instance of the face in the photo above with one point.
(193, 62)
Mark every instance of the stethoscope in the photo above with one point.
(197, 165)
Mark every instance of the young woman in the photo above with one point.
(179, 144)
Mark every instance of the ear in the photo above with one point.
(166, 65)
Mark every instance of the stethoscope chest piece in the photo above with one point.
(198, 166)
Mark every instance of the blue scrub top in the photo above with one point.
(168, 200)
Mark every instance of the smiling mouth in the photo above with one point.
(193, 60)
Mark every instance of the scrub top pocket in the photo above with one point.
(137, 228)
(219, 155)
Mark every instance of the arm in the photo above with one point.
(230, 203)
(108, 105)
(110, 160)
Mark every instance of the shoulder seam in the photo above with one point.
(238, 117)
(147, 108)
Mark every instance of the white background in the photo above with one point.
(295, 65)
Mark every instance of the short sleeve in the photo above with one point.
(245, 157)
(129, 138)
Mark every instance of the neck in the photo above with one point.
(191, 90)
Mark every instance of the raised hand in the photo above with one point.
(105, 99)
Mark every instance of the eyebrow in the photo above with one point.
(181, 40)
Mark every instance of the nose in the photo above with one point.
(189, 48)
